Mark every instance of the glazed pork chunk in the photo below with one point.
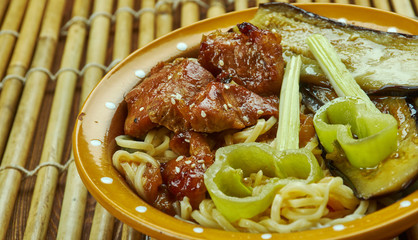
(251, 57)
(156, 99)
(183, 96)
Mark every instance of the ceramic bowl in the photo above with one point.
(101, 120)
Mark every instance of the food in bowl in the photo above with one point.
(187, 111)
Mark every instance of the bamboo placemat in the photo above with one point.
(52, 53)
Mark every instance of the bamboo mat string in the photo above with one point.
(55, 76)
(19, 63)
(113, 17)
(30, 173)
(11, 32)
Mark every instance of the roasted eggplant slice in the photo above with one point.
(376, 59)
(392, 174)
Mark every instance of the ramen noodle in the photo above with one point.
(297, 206)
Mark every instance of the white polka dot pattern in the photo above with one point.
(182, 46)
(106, 180)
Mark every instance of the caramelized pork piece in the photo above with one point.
(164, 201)
(227, 106)
(307, 129)
(180, 143)
(154, 100)
(252, 58)
(182, 96)
(151, 182)
(184, 175)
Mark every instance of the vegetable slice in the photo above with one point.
(282, 164)
(366, 135)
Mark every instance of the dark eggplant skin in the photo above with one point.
(383, 63)
(393, 174)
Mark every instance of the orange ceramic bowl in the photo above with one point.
(102, 116)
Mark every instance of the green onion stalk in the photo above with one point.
(282, 162)
(351, 121)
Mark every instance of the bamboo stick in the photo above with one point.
(240, 4)
(3, 6)
(22, 132)
(73, 206)
(216, 8)
(103, 221)
(412, 233)
(12, 22)
(362, 2)
(403, 7)
(129, 233)
(298, 1)
(164, 21)
(123, 31)
(102, 227)
(146, 23)
(382, 4)
(47, 178)
(344, 1)
(75, 195)
(261, 1)
(18, 66)
(189, 13)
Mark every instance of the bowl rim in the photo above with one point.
(148, 225)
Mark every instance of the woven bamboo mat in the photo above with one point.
(52, 53)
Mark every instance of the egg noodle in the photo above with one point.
(297, 206)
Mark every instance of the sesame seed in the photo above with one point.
(259, 112)
(203, 166)
(245, 118)
(200, 161)
(141, 109)
(193, 165)
(225, 107)
(173, 101)
(187, 140)
(226, 86)
(177, 170)
(221, 63)
(177, 96)
(169, 77)
(229, 105)
(192, 105)
(188, 162)
(203, 114)
(179, 158)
